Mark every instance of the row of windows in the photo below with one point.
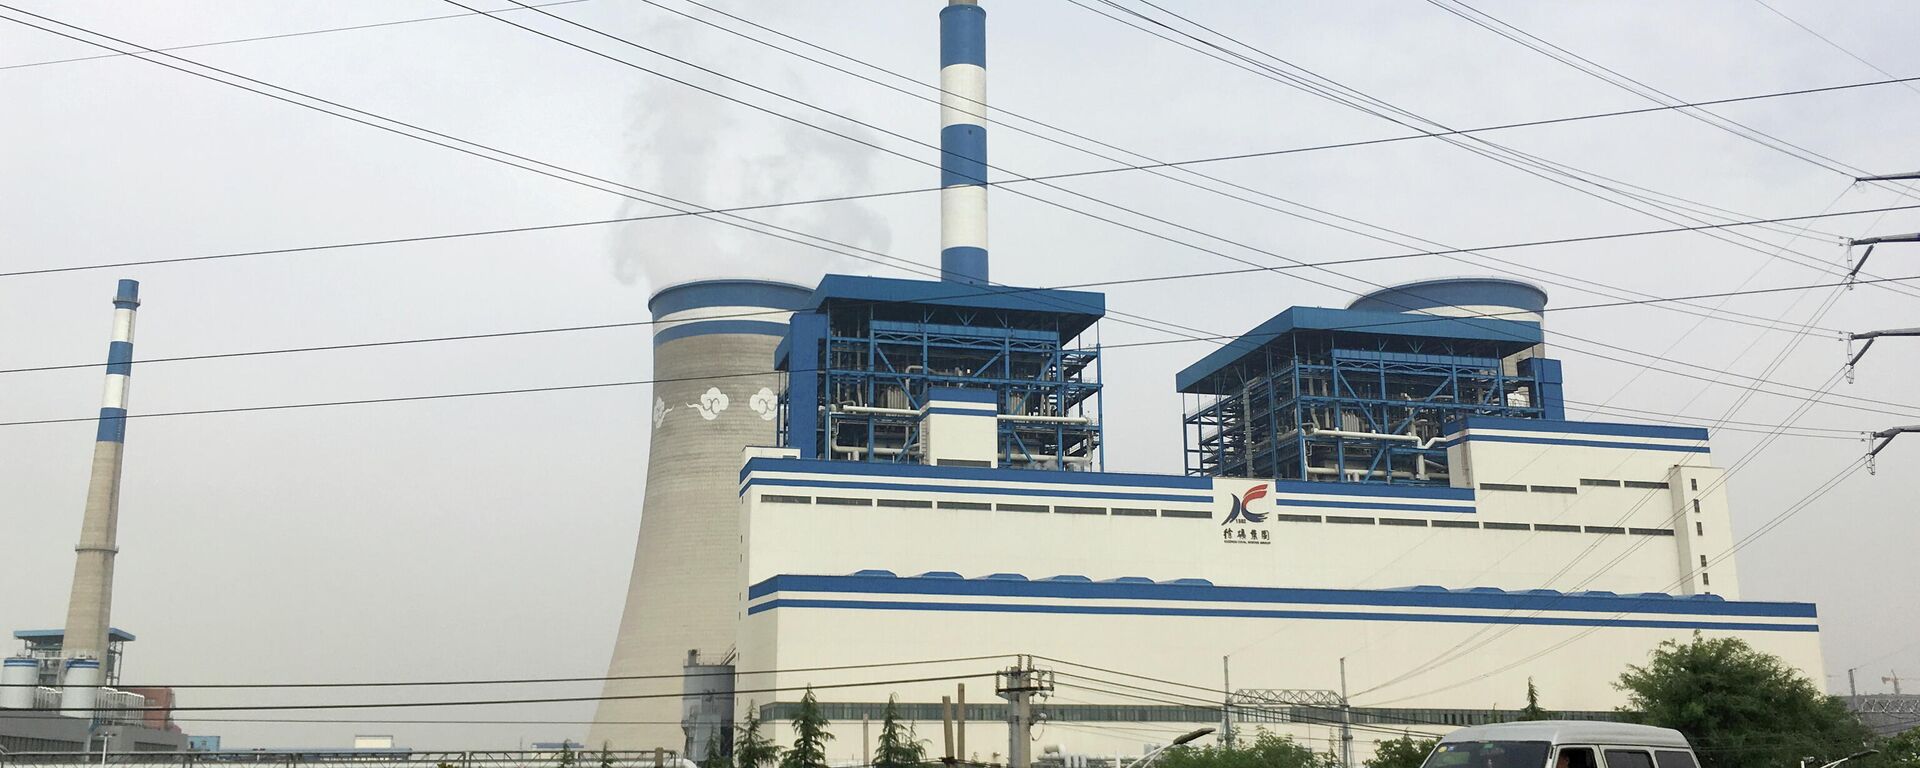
(1059, 509)
(1491, 526)
(30, 744)
(1587, 482)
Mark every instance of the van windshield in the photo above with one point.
(1488, 754)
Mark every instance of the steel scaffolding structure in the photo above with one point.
(865, 368)
(1333, 404)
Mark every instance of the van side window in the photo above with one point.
(1575, 757)
(1628, 758)
(1674, 758)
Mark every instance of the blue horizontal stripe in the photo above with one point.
(1581, 443)
(964, 264)
(963, 35)
(929, 472)
(113, 426)
(120, 358)
(925, 488)
(1578, 428)
(959, 394)
(1495, 600)
(728, 293)
(963, 155)
(1370, 505)
(1252, 613)
(1414, 492)
(704, 327)
(982, 413)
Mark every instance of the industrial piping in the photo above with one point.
(963, 143)
(90, 603)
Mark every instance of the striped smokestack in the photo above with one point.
(90, 604)
(963, 142)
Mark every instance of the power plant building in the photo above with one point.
(1386, 498)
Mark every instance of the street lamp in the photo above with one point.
(1149, 757)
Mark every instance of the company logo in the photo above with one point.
(1240, 513)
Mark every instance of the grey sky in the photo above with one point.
(492, 537)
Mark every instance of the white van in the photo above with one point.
(1563, 744)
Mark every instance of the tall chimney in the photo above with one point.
(91, 602)
(963, 142)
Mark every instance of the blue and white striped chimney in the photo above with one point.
(963, 142)
(90, 604)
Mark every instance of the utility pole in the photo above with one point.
(1852, 690)
(946, 729)
(866, 740)
(1226, 703)
(1870, 242)
(960, 728)
(1346, 719)
(1017, 685)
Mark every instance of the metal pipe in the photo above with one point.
(875, 410)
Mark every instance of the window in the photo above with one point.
(1696, 506)
(1599, 483)
(1455, 524)
(1501, 487)
(777, 499)
(1628, 758)
(1703, 561)
(1281, 517)
(1557, 528)
(909, 503)
(837, 501)
(1506, 526)
(965, 505)
(1131, 512)
(1604, 529)
(1650, 531)
(1350, 520)
(1196, 514)
(1555, 489)
(1698, 529)
(976, 463)
(1080, 510)
(1490, 754)
(1403, 521)
(1693, 483)
(1575, 757)
(1021, 507)
(1705, 580)
(1644, 484)
(1674, 758)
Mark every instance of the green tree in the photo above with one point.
(1264, 750)
(754, 749)
(810, 736)
(897, 748)
(566, 759)
(715, 756)
(1403, 752)
(1533, 710)
(1740, 707)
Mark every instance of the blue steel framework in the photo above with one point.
(863, 369)
(1368, 407)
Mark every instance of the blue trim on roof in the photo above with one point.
(120, 358)
(728, 293)
(1477, 600)
(1247, 613)
(931, 472)
(1454, 292)
(1513, 335)
(963, 395)
(802, 482)
(1611, 429)
(963, 155)
(1579, 443)
(1076, 309)
(705, 327)
(982, 414)
(15, 661)
(963, 35)
(113, 633)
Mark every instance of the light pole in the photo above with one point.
(1148, 758)
(1862, 753)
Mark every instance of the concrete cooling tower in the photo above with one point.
(715, 393)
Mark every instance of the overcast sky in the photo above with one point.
(492, 537)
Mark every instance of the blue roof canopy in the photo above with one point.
(1075, 310)
(114, 634)
(1507, 335)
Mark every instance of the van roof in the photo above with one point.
(1573, 732)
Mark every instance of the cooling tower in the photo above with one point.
(714, 395)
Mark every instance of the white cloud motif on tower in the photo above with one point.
(660, 409)
(765, 403)
(712, 402)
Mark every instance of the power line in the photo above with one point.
(548, 680)
(1827, 40)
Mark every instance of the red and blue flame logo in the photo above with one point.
(1240, 512)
